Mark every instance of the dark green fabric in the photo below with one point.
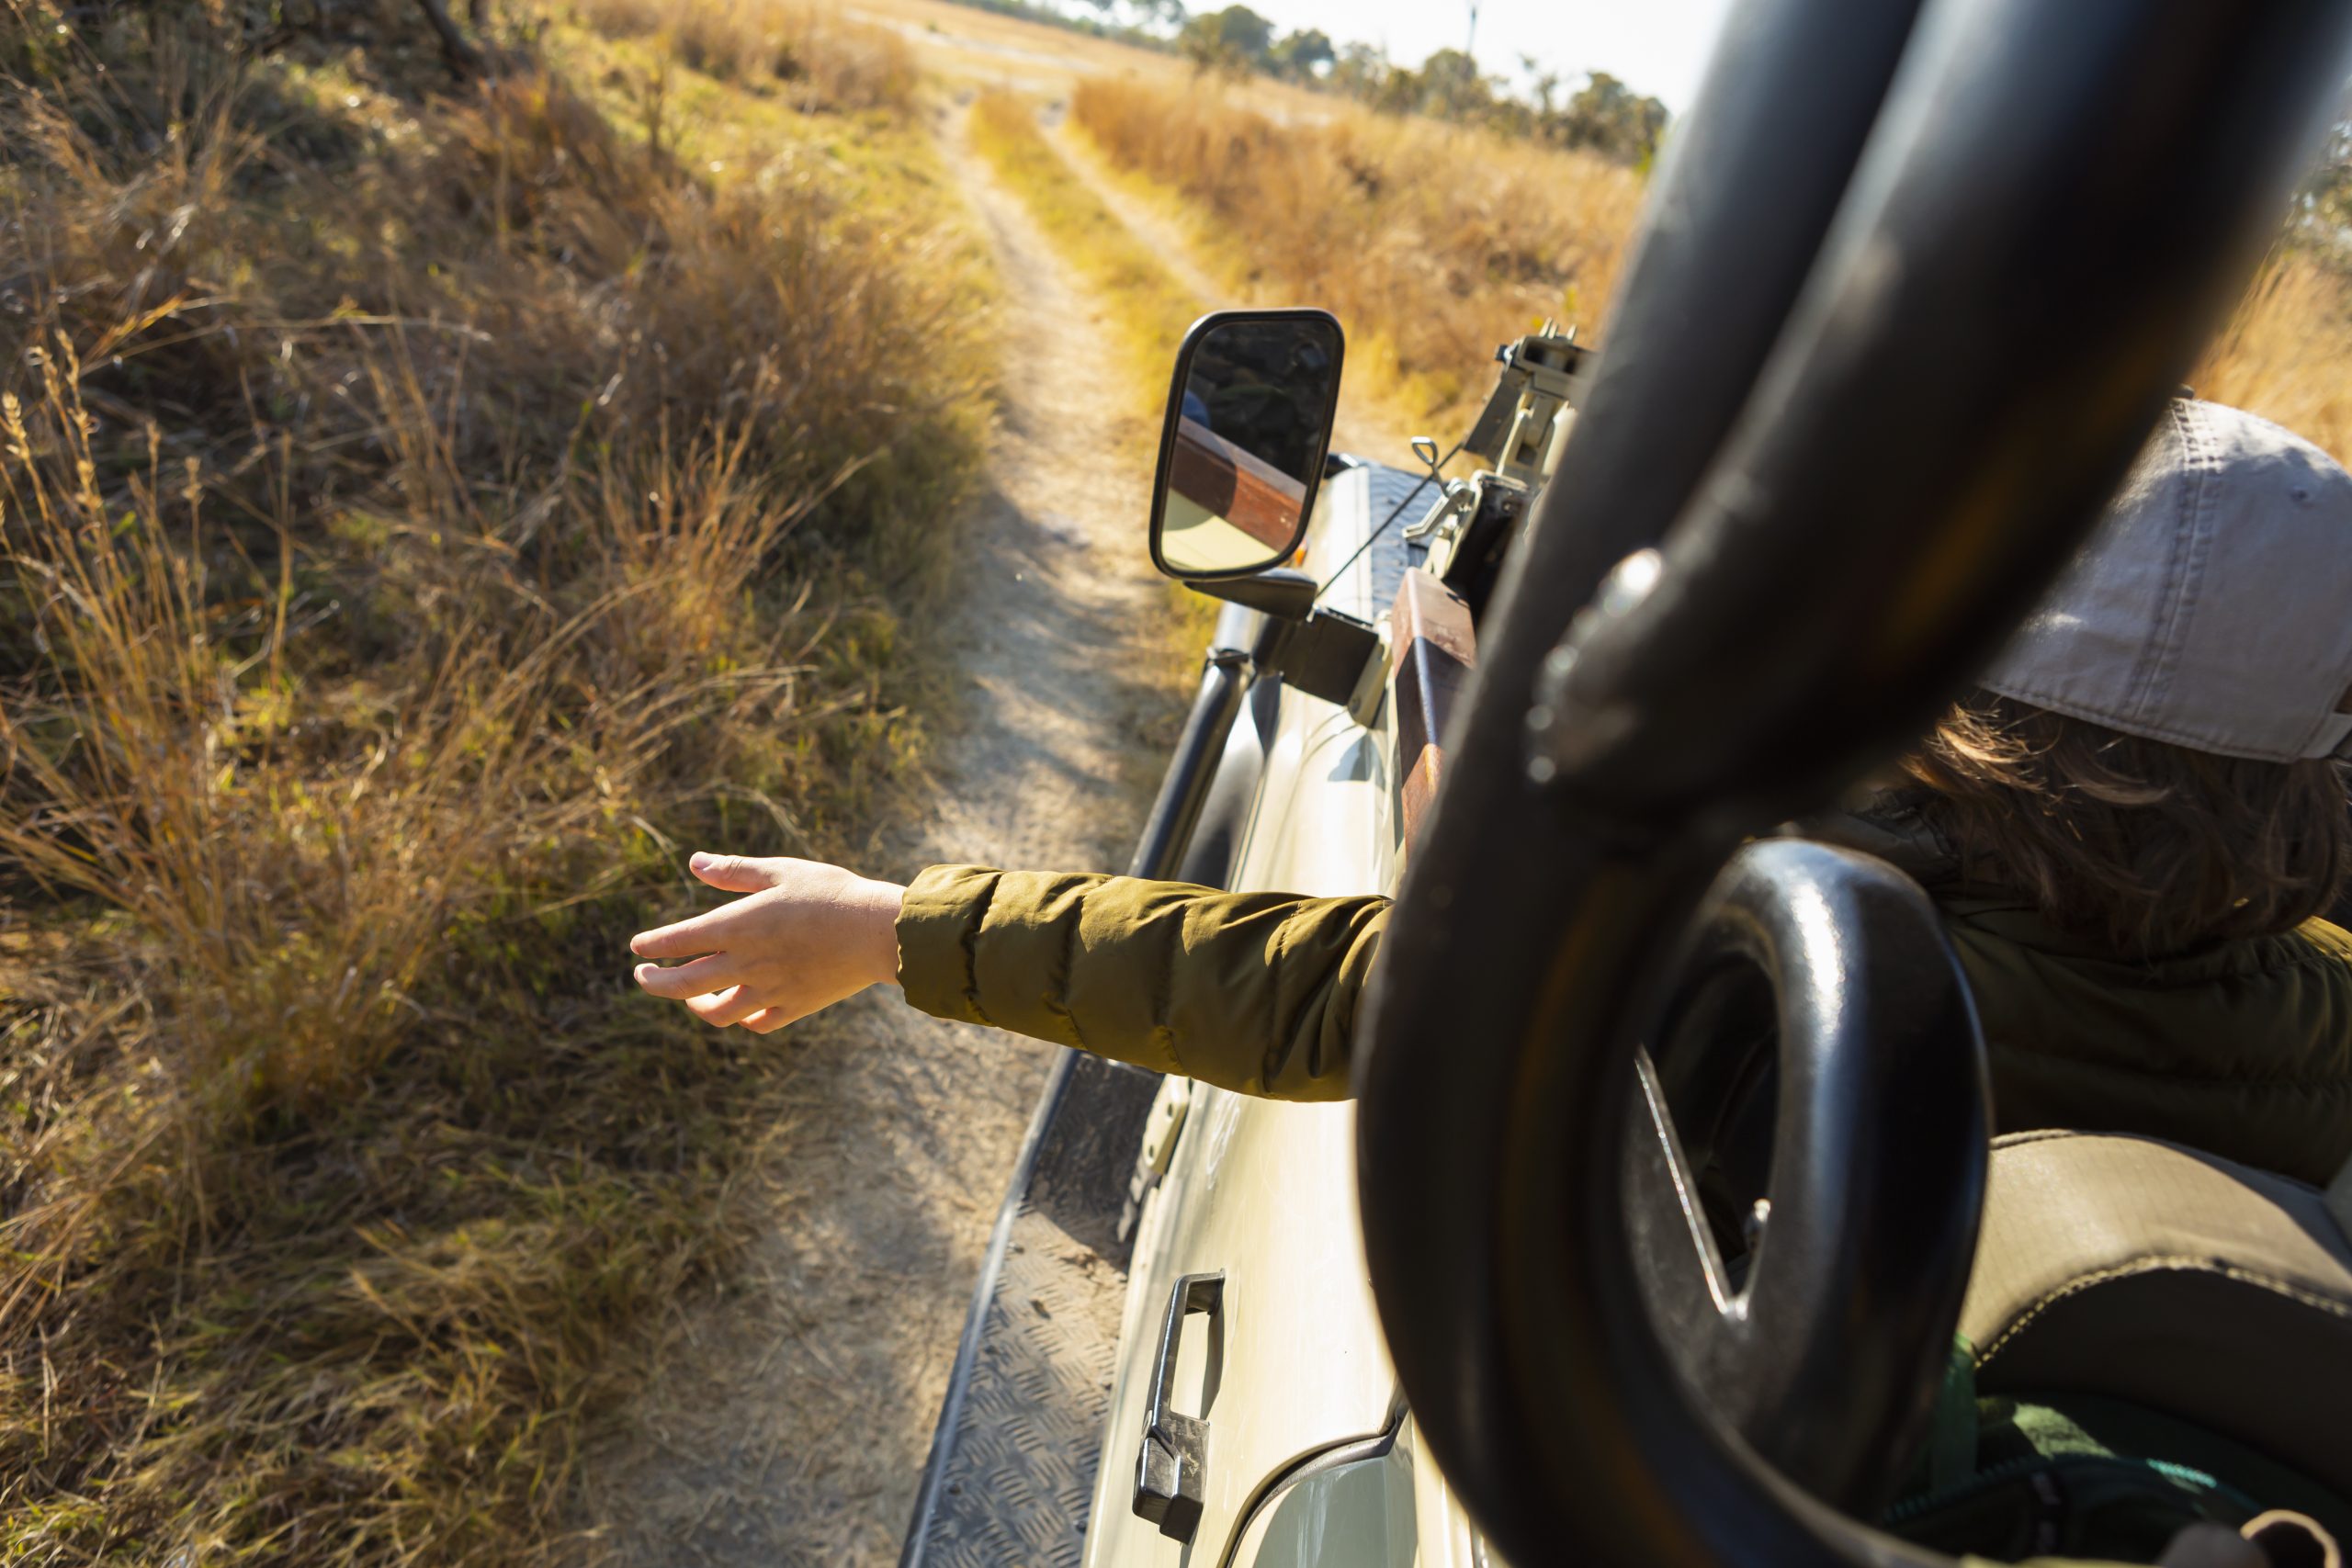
(2079, 1477)
(2244, 1050)
(1950, 1455)
(1254, 992)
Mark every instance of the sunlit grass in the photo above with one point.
(1148, 308)
(809, 53)
(423, 515)
(1432, 244)
(2287, 354)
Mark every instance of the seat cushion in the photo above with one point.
(2145, 1272)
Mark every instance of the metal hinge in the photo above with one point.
(1159, 1133)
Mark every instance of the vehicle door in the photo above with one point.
(1283, 1357)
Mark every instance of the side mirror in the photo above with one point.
(1241, 455)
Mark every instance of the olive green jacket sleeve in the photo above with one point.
(1255, 992)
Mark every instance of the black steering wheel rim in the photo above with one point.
(1826, 1354)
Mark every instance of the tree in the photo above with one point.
(1610, 117)
(1236, 38)
(1360, 70)
(1450, 87)
(1303, 55)
(2324, 206)
(1168, 13)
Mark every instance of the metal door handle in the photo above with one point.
(1175, 1448)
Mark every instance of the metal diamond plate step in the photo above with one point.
(1011, 1468)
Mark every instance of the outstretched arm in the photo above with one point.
(1255, 992)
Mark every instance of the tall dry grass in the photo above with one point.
(1146, 304)
(423, 515)
(1433, 242)
(2286, 353)
(815, 55)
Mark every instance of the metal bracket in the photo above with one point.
(1159, 1134)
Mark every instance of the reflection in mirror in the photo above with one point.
(1245, 443)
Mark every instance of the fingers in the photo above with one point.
(705, 932)
(698, 978)
(734, 873)
(767, 1020)
(730, 1006)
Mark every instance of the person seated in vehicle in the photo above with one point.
(2132, 829)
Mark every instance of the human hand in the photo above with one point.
(807, 935)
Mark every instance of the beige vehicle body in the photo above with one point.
(1310, 1455)
(1133, 1187)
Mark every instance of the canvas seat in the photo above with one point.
(2134, 1269)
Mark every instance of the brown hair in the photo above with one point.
(2148, 846)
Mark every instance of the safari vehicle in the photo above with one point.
(1914, 281)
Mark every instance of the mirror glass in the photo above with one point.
(1246, 435)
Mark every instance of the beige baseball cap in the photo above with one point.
(2212, 608)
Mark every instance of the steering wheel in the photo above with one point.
(1824, 1352)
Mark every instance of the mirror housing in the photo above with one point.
(1280, 593)
(1241, 450)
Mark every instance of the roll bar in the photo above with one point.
(1746, 188)
(2052, 205)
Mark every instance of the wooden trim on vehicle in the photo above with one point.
(1432, 647)
(1245, 489)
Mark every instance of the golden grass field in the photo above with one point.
(1431, 242)
(1151, 307)
(2287, 354)
(428, 513)
(1434, 242)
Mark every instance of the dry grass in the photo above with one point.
(2287, 355)
(422, 516)
(1148, 306)
(1433, 243)
(817, 57)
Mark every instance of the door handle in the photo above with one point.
(1175, 1450)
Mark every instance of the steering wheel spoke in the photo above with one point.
(1687, 1284)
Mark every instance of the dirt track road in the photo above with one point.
(791, 1421)
(1365, 425)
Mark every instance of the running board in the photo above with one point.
(1011, 1469)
